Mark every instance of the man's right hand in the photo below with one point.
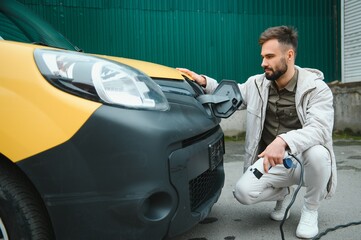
(196, 77)
(274, 153)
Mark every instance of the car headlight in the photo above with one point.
(100, 79)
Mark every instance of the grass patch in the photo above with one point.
(239, 137)
(346, 134)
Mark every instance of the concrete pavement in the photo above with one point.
(230, 220)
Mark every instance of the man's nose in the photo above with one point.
(264, 63)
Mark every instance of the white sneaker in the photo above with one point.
(279, 211)
(308, 225)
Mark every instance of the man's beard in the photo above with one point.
(275, 74)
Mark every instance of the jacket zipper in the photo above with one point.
(261, 129)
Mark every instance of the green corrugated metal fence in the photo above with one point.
(214, 37)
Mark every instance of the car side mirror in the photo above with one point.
(225, 100)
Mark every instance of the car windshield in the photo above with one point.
(17, 23)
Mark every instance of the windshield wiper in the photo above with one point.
(41, 44)
(47, 45)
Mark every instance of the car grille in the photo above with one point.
(202, 187)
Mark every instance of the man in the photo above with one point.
(289, 109)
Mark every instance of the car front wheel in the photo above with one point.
(22, 212)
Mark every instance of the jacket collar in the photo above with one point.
(306, 80)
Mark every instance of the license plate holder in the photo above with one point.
(216, 151)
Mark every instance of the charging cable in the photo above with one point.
(300, 183)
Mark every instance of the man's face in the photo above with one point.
(274, 60)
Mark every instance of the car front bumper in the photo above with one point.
(129, 174)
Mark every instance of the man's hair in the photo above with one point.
(285, 35)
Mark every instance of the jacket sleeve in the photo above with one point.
(211, 84)
(317, 118)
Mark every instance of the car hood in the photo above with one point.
(151, 69)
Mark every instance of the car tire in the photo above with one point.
(22, 212)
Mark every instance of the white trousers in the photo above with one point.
(273, 186)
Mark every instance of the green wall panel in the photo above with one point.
(214, 37)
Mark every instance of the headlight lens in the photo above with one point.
(100, 79)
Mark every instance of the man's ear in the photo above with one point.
(290, 54)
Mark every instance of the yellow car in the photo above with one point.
(100, 147)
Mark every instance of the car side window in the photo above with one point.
(9, 30)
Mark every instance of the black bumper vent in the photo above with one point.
(203, 187)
